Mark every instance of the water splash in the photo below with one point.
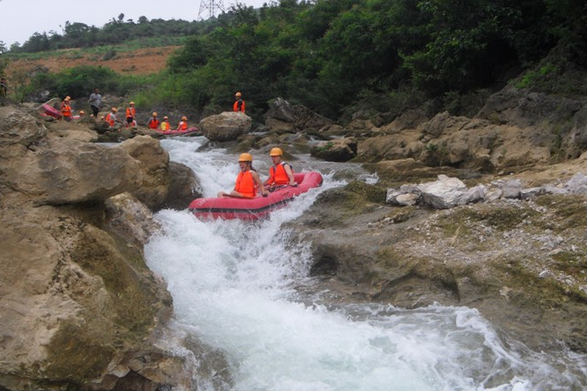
(234, 285)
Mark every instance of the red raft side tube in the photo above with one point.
(229, 208)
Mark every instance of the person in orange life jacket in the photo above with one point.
(153, 122)
(165, 125)
(239, 103)
(66, 109)
(281, 173)
(247, 181)
(131, 114)
(183, 124)
(111, 117)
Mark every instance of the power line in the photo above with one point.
(208, 8)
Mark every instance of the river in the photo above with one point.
(235, 286)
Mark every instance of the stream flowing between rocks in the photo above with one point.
(236, 287)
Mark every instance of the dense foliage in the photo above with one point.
(340, 56)
(80, 35)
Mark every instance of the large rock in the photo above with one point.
(79, 309)
(282, 117)
(68, 171)
(184, 187)
(336, 150)
(226, 126)
(73, 298)
(152, 172)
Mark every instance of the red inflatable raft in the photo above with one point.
(229, 208)
(50, 111)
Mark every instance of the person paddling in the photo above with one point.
(248, 182)
(281, 173)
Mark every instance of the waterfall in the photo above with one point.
(235, 285)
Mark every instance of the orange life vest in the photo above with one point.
(278, 175)
(65, 109)
(183, 125)
(239, 105)
(153, 123)
(245, 184)
(130, 112)
(164, 125)
(110, 119)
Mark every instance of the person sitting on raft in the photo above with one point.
(248, 182)
(165, 125)
(281, 173)
(153, 122)
(183, 124)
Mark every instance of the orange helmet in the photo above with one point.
(114, 109)
(238, 94)
(67, 98)
(166, 117)
(132, 103)
(245, 157)
(184, 118)
(276, 152)
(154, 114)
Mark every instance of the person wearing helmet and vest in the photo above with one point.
(153, 122)
(183, 124)
(239, 103)
(281, 173)
(131, 114)
(248, 182)
(165, 125)
(111, 117)
(66, 109)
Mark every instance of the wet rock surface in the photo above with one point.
(521, 263)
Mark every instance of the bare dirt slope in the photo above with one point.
(130, 62)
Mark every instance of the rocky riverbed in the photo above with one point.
(76, 215)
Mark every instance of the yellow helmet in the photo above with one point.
(154, 114)
(238, 94)
(132, 103)
(245, 157)
(276, 152)
(184, 118)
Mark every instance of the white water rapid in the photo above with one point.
(234, 286)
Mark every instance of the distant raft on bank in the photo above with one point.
(230, 208)
(50, 111)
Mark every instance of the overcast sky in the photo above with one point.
(19, 19)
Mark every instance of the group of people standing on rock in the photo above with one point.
(114, 121)
(248, 183)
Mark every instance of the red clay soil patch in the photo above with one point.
(135, 62)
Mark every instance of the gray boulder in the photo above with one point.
(226, 126)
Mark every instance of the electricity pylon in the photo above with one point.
(208, 8)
